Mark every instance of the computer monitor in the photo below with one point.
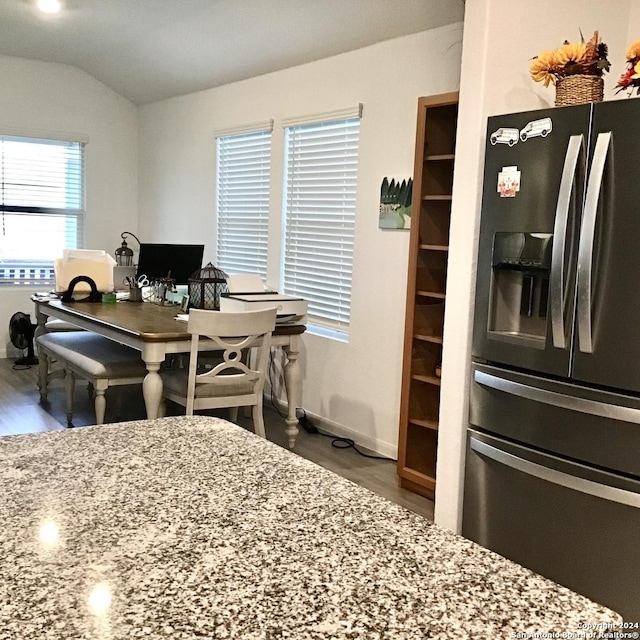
(176, 261)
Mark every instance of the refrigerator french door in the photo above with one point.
(553, 451)
(559, 259)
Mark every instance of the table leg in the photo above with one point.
(41, 319)
(293, 384)
(152, 390)
(43, 360)
(153, 356)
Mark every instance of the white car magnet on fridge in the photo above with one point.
(534, 128)
(504, 135)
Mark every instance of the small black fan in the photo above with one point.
(21, 332)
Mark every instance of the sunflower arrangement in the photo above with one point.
(630, 79)
(572, 58)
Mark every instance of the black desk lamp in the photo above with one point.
(124, 255)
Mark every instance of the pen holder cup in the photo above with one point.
(135, 294)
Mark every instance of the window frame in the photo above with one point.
(330, 313)
(20, 202)
(253, 184)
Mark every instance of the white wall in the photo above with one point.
(49, 99)
(499, 42)
(355, 386)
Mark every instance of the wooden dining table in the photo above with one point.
(155, 331)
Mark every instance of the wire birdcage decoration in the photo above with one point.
(206, 286)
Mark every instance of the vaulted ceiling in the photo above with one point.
(148, 50)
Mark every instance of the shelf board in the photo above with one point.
(427, 338)
(427, 424)
(419, 478)
(431, 294)
(425, 492)
(437, 197)
(440, 156)
(434, 247)
(424, 378)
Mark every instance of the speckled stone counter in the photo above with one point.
(195, 528)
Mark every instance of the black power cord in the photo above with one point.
(336, 441)
(309, 427)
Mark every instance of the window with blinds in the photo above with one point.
(243, 175)
(41, 204)
(320, 206)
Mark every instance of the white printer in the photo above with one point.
(291, 310)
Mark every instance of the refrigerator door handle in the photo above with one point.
(613, 494)
(557, 280)
(587, 235)
(561, 400)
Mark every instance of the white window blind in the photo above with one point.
(243, 176)
(320, 207)
(41, 204)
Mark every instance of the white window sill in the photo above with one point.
(326, 332)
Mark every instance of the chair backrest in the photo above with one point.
(233, 334)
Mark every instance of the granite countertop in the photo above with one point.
(195, 528)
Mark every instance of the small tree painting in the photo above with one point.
(395, 204)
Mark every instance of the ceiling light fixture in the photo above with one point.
(49, 6)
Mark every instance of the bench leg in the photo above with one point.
(100, 401)
(43, 374)
(69, 386)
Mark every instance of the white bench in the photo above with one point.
(103, 362)
(55, 324)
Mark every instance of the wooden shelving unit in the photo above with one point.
(426, 292)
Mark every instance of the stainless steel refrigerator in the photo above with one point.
(552, 475)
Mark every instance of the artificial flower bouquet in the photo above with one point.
(572, 58)
(630, 79)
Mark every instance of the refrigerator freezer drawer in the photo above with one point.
(574, 525)
(589, 425)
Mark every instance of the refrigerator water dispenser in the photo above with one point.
(521, 265)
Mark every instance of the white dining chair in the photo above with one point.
(232, 380)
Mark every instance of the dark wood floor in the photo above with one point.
(21, 412)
